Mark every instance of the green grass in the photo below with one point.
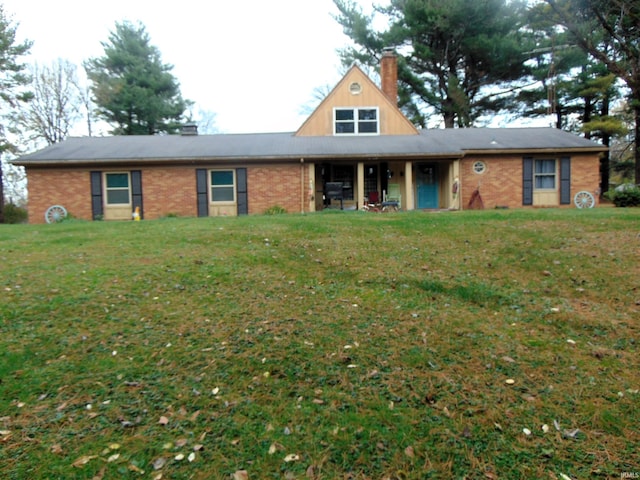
(371, 346)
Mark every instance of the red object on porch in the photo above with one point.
(373, 197)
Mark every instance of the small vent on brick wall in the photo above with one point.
(189, 129)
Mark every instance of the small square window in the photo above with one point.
(222, 186)
(117, 191)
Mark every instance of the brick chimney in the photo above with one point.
(389, 74)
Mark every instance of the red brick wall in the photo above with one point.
(69, 188)
(501, 184)
(166, 190)
(278, 185)
(169, 190)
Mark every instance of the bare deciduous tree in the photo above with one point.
(57, 103)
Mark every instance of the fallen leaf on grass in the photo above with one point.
(179, 457)
(158, 463)
(135, 468)
(191, 457)
(292, 457)
(409, 452)
(571, 433)
(241, 475)
(113, 458)
(275, 447)
(163, 420)
(82, 461)
(100, 474)
(56, 448)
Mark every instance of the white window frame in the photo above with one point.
(212, 186)
(356, 121)
(539, 175)
(108, 189)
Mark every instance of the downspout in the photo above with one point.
(302, 185)
(360, 181)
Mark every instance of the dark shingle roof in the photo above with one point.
(444, 143)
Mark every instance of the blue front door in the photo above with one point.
(427, 184)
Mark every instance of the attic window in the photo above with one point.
(356, 121)
(355, 88)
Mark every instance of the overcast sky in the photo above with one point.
(254, 63)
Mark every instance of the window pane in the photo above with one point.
(344, 114)
(117, 180)
(348, 127)
(369, 114)
(546, 181)
(222, 178)
(545, 166)
(117, 197)
(367, 127)
(222, 194)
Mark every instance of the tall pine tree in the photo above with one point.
(458, 58)
(609, 30)
(134, 91)
(13, 81)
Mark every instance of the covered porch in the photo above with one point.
(420, 184)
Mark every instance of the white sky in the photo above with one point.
(254, 63)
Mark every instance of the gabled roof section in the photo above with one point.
(346, 94)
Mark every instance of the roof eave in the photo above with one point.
(229, 160)
(550, 150)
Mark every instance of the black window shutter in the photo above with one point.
(96, 195)
(201, 192)
(241, 186)
(136, 191)
(565, 181)
(527, 181)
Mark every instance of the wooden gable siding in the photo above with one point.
(391, 119)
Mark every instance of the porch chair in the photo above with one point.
(373, 198)
(393, 195)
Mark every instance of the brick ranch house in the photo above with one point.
(357, 140)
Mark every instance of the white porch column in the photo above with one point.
(312, 187)
(360, 184)
(409, 202)
(456, 203)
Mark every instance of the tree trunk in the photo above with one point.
(1, 194)
(636, 140)
(605, 159)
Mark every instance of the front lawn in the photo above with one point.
(339, 345)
